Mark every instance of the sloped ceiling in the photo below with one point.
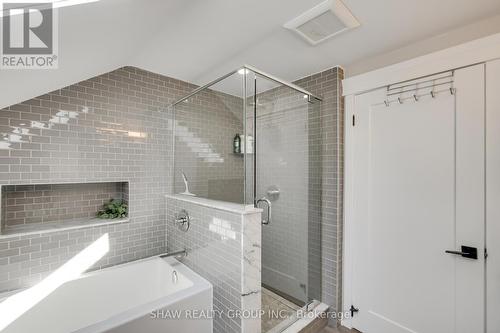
(199, 40)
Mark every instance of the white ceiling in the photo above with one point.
(199, 40)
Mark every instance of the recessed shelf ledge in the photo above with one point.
(31, 209)
(42, 228)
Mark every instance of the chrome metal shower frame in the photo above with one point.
(310, 96)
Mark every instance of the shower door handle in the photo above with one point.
(268, 203)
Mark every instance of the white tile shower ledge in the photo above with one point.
(43, 228)
(217, 204)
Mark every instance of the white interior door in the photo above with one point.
(417, 190)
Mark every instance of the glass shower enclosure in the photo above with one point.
(251, 138)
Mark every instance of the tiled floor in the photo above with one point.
(337, 330)
(273, 304)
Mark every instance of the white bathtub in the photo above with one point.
(122, 299)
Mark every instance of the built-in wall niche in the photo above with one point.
(45, 207)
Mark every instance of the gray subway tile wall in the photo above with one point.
(110, 128)
(205, 126)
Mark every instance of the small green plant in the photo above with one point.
(114, 209)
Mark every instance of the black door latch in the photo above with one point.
(467, 252)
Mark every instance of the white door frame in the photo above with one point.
(492, 193)
(478, 51)
(347, 252)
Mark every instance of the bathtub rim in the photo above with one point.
(199, 284)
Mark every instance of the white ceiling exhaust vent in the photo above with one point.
(326, 20)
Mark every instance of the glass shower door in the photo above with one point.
(288, 174)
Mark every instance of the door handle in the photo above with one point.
(268, 203)
(467, 252)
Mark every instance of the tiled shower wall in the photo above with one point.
(328, 85)
(107, 128)
(205, 126)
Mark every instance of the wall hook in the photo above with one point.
(452, 91)
(415, 97)
(433, 94)
(400, 100)
(386, 103)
